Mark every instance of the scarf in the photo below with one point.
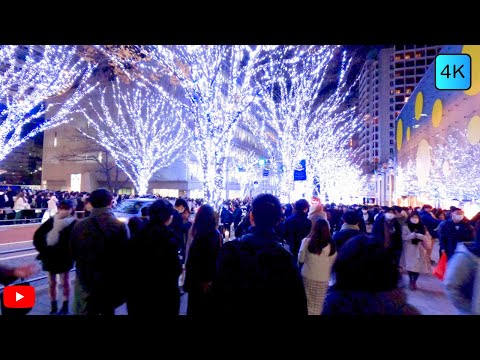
(346, 226)
(419, 228)
(58, 225)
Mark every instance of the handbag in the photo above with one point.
(440, 269)
(15, 311)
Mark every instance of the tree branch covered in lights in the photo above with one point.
(139, 128)
(30, 79)
(247, 161)
(301, 115)
(455, 173)
(216, 88)
(406, 180)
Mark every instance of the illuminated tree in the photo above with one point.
(31, 77)
(296, 117)
(406, 179)
(138, 127)
(215, 87)
(455, 173)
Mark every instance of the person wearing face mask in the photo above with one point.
(52, 241)
(368, 219)
(415, 257)
(455, 230)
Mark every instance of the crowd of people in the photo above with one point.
(292, 259)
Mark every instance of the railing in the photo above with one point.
(38, 278)
(28, 216)
(8, 216)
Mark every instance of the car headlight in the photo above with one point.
(123, 219)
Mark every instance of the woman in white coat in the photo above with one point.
(414, 257)
(317, 254)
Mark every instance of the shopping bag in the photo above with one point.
(439, 270)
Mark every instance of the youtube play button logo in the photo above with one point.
(19, 297)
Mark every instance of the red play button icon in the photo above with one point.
(20, 296)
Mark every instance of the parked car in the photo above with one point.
(131, 207)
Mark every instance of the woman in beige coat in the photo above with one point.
(414, 257)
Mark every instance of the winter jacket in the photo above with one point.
(414, 255)
(297, 227)
(202, 261)
(462, 279)
(256, 276)
(346, 233)
(99, 248)
(56, 259)
(453, 233)
(316, 267)
(430, 223)
(153, 259)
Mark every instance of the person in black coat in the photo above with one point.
(297, 226)
(237, 215)
(153, 254)
(201, 263)
(387, 230)
(256, 276)
(454, 230)
(226, 218)
(177, 223)
(349, 228)
(52, 241)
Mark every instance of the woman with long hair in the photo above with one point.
(317, 254)
(201, 261)
(416, 245)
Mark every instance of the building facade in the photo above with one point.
(438, 141)
(386, 84)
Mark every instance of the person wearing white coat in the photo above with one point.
(317, 254)
(415, 258)
(52, 205)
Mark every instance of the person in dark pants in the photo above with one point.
(201, 263)
(226, 218)
(387, 230)
(153, 249)
(99, 246)
(297, 226)
(237, 215)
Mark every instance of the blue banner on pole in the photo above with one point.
(300, 172)
(265, 172)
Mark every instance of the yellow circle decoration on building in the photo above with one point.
(473, 131)
(399, 134)
(423, 162)
(437, 113)
(408, 133)
(474, 52)
(418, 105)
